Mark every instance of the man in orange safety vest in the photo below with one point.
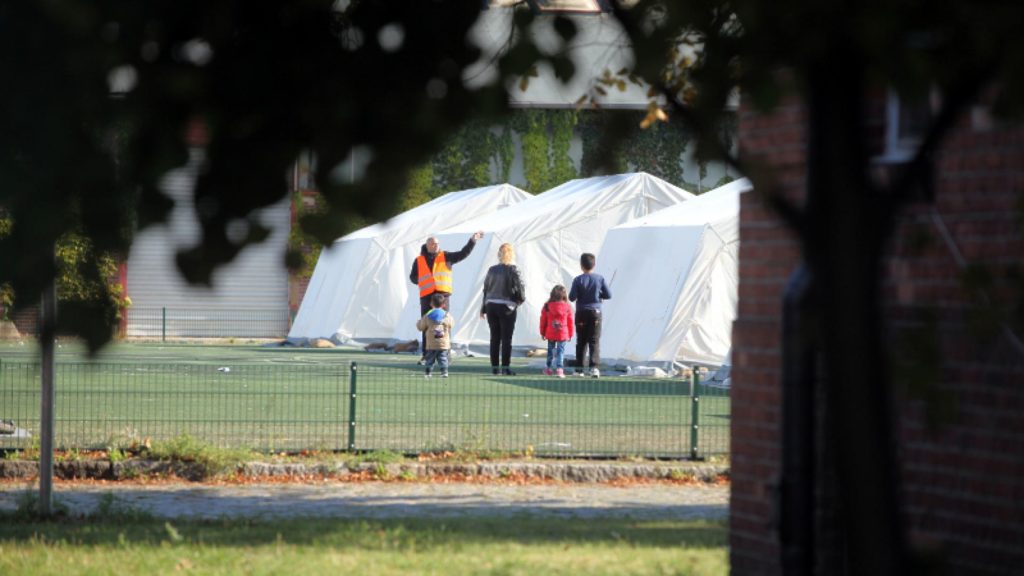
(432, 272)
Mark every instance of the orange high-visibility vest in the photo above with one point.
(437, 280)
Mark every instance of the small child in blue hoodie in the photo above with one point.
(437, 324)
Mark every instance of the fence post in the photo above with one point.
(47, 377)
(352, 409)
(163, 324)
(694, 412)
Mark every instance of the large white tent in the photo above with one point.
(674, 280)
(361, 282)
(549, 232)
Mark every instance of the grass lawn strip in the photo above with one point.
(453, 546)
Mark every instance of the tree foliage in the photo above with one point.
(267, 80)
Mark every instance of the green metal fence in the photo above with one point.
(369, 407)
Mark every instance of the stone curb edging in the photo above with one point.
(101, 469)
(562, 471)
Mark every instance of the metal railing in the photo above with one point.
(369, 407)
(164, 323)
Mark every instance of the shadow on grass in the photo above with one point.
(612, 386)
(367, 534)
(529, 379)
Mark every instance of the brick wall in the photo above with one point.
(297, 286)
(768, 254)
(962, 440)
(26, 321)
(299, 282)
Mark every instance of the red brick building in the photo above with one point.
(953, 274)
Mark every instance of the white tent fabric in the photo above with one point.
(674, 282)
(548, 232)
(360, 283)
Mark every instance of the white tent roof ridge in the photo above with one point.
(671, 216)
(569, 193)
(441, 204)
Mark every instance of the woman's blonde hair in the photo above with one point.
(506, 253)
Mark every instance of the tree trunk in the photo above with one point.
(843, 242)
(799, 383)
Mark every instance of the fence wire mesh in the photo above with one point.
(367, 406)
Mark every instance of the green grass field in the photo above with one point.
(283, 398)
(318, 546)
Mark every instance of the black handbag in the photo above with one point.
(515, 288)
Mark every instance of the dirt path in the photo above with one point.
(392, 499)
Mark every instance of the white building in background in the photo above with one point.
(600, 46)
(247, 298)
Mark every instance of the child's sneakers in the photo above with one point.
(547, 371)
(560, 373)
(427, 375)
(595, 373)
(444, 374)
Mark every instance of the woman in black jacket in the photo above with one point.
(503, 293)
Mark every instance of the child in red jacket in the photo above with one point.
(556, 326)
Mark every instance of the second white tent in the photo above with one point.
(675, 276)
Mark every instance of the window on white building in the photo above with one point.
(905, 125)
